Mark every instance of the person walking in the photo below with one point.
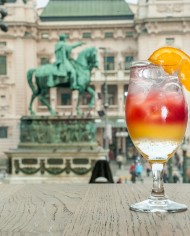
(139, 170)
(148, 169)
(132, 171)
(176, 178)
(165, 176)
(119, 160)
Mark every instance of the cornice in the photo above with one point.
(161, 27)
(21, 30)
(76, 33)
(84, 26)
(22, 23)
(162, 19)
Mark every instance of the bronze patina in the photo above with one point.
(65, 72)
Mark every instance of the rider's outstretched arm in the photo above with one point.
(77, 44)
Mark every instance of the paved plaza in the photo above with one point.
(125, 176)
(124, 173)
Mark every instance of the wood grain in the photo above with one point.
(37, 209)
(88, 209)
(105, 211)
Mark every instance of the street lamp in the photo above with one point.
(184, 149)
(106, 105)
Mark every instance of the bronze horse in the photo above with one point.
(85, 62)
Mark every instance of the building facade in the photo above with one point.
(121, 34)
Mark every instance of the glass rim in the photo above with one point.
(147, 63)
(140, 63)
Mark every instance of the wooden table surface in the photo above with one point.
(88, 209)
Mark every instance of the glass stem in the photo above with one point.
(157, 172)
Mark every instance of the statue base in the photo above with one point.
(55, 146)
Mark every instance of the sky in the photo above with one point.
(42, 3)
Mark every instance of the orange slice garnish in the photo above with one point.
(173, 60)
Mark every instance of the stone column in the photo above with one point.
(98, 102)
(53, 98)
(120, 98)
(75, 94)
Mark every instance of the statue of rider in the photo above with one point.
(64, 62)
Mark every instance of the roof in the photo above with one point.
(58, 10)
(7, 1)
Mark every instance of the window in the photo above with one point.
(109, 63)
(44, 60)
(111, 94)
(129, 34)
(64, 97)
(86, 35)
(170, 41)
(3, 44)
(128, 60)
(109, 35)
(27, 34)
(87, 97)
(44, 35)
(3, 132)
(3, 65)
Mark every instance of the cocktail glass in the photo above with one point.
(156, 118)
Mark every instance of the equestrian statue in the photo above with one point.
(65, 72)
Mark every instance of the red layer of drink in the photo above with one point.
(160, 116)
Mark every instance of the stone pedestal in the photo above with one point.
(55, 146)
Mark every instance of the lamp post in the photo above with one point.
(106, 119)
(106, 105)
(170, 170)
(184, 149)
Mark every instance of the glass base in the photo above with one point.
(154, 204)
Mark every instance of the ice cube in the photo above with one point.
(154, 73)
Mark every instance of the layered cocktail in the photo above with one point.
(156, 112)
(156, 117)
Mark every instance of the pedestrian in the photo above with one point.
(148, 169)
(176, 178)
(111, 155)
(119, 160)
(188, 175)
(132, 171)
(165, 177)
(119, 180)
(139, 170)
